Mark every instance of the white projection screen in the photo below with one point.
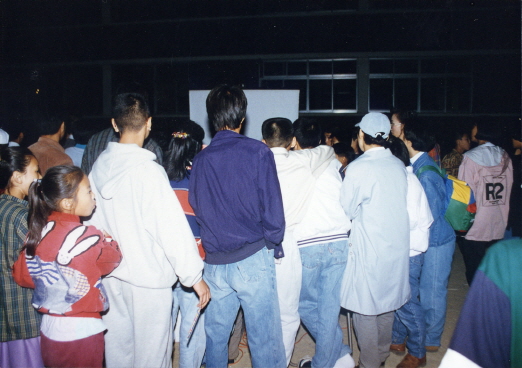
(262, 105)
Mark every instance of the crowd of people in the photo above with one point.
(97, 261)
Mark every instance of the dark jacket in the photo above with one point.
(235, 193)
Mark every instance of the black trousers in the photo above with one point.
(473, 251)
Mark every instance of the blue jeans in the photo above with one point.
(319, 303)
(190, 352)
(250, 283)
(434, 289)
(409, 319)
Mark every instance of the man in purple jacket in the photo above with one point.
(236, 197)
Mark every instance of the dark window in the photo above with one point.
(406, 92)
(345, 94)
(320, 94)
(432, 94)
(320, 67)
(381, 66)
(297, 68)
(381, 94)
(273, 69)
(406, 66)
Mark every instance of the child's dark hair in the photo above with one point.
(186, 142)
(344, 150)
(420, 139)
(13, 159)
(277, 132)
(399, 150)
(307, 133)
(59, 182)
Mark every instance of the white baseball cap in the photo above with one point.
(4, 137)
(375, 124)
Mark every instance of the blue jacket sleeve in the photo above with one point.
(435, 190)
(271, 202)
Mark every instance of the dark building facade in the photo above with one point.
(449, 60)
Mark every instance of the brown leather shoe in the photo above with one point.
(410, 361)
(432, 349)
(398, 348)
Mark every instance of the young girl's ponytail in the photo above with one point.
(45, 196)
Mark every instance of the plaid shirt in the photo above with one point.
(99, 142)
(451, 163)
(18, 319)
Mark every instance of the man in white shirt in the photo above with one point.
(322, 238)
(296, 171)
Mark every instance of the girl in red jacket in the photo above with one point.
(64, 261)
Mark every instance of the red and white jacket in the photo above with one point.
(67, 268)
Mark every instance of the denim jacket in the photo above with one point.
(441, 231)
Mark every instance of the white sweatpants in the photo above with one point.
(139, 326)
(288, 276)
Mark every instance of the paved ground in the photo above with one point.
(305, 346)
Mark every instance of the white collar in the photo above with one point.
(416, 157)
(375, 149)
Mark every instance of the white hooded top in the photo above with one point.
(137, 207)
(419, 213)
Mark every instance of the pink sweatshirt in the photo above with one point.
(489, 172)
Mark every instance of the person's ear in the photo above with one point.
(262, 140)
(114, 126)
(67, 204)
(149, 123)
(17, 177)
(294, 143)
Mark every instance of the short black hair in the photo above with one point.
(399, 150)
(14, 128)
(406, 117)
(307, 132)
(379, 140)
(47, 124)
(130, 111)
(344, 150)
(82, 131)
(459, 132)
(226, 107)
(487, 130)
(277, 132)
(420, 139)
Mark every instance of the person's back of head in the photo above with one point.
(375, 128)
(419, 137)
(403, 115)
(130, 112)
(46, 196)
(399, 150)
(344, 153)
(13, 159)
(226, 107)
(487, 130)
(307, 133)
(14, 128)
(82, 131)
(277, 132)
(48, 124)
(186, 142)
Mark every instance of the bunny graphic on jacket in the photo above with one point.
(62, 272)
